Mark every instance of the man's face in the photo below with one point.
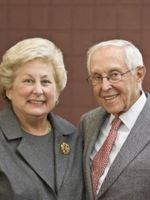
(118, 97)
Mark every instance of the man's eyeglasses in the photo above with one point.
(113, 77)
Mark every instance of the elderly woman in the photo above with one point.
(40, 153)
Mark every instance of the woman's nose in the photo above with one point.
(38, 89)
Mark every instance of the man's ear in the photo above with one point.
(141, 71)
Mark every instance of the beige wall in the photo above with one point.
(74, 25)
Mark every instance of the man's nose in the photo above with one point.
(105, 85)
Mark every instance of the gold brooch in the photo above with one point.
(65, 148)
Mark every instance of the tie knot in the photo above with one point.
(116, 123)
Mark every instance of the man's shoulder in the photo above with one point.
(94, 113)
(147, 96)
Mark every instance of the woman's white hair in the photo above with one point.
(27, 50)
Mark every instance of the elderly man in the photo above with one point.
(117, 133)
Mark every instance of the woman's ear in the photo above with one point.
(8, 93)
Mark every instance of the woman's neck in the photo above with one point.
(36, 126)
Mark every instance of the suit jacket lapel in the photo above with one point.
(91, 130)
(136, 141)
(89, 145)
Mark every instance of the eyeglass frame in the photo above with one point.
(89, 80)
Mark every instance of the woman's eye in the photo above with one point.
(46, 82)
(28, 81)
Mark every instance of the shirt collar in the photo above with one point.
(129, 117)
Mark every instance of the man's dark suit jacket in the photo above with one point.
(22, 174)
(129, 175)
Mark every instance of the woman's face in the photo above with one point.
(33, 92)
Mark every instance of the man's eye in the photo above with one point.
(97, 78)
(115, 74)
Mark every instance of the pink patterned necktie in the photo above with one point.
(101, 158)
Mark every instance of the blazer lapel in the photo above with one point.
(29, 152)
(62, 134)
(61, 159)
(136, 141)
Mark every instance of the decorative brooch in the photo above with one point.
(65, 148)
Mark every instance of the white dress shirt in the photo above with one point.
(128, 122)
